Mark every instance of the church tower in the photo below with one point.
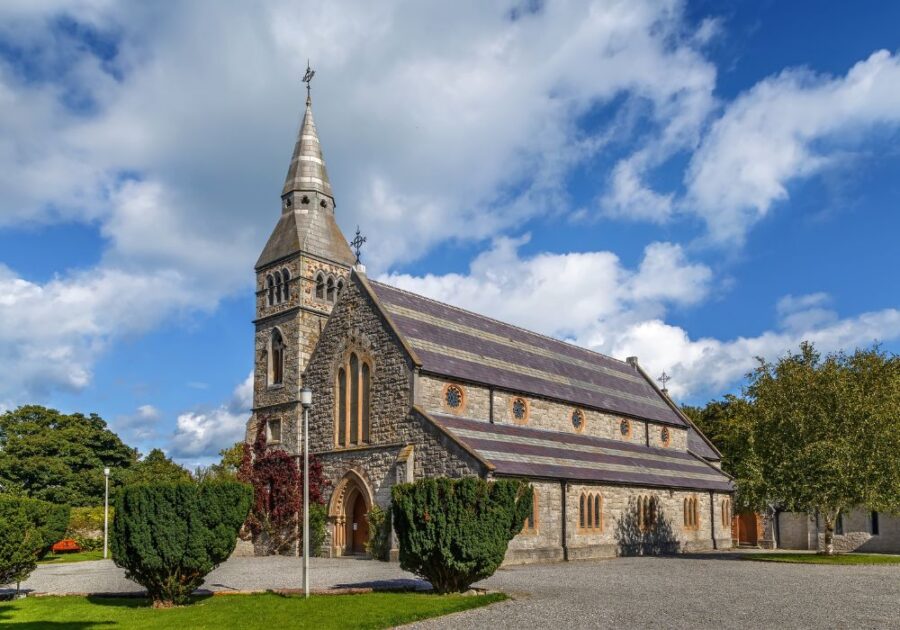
(302, 269)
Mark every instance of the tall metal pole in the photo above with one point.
(306, 502)
(106, 514)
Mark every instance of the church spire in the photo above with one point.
(307, 171)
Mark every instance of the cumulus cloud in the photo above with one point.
(175, 148)
(595, 301)
(785, 128)
(201, 434)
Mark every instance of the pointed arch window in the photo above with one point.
(340, 285)
(646, 512)
(329, 295)
(320, 286)
(270, 285)
(354, 382)
(726, 512)
(691, 513)
(276, 358)
(590, 512)
(277, 275)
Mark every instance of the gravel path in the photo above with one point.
(718, 591)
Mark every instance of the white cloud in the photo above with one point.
(201, 434)
(783, 129)
(593, 300)
(176, 146)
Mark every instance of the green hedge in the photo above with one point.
(379, 545)
(454, 532)
(318, 519)
(169, 536)
(20, 540)
(51, 521)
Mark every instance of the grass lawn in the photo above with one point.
(78, 556)
(268, 610)
(814, 558)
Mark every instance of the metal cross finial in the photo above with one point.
(307, 78)
(664, 379)
(357, 242)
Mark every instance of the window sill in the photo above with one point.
(274, 387)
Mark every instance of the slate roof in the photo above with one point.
(307, 170)
(527, 452)
(310, 229)
(699, 446)
(462, 345)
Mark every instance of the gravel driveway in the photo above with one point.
(718, 591)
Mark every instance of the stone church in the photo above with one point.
(405, 387)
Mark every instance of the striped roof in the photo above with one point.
(526, 452)
(466, 346)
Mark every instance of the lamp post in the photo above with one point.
(306, 401)
(106, 514)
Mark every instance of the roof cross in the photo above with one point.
(357, 243)
(664, 379)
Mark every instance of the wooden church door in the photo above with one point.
(359, 526)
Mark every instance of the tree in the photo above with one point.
(169, 536)
(826, 432)
(156, 468)
(227, 468)
(58, 457)
(49, 521)
(20, 541)
(454, 532)
(277, 495)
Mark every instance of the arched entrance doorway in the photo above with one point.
(348, 511)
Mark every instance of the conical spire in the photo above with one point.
(307, 170)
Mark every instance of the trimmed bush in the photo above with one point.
(20, 541)
(454, 532)
(379, 545)
(51, 521)
(318, 519)
(169, 536)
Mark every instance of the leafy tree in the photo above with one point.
(826, 431)
(20, 541)
(454, 532)
(59, 457)
(227, 469)
(50, 522)
(156, 468)
(169, 536)
(277, 495)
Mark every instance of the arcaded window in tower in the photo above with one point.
(270, 285)
(330, 289)
(320, 286)
(277, 275)
(276, 358)
(286, 278)
(354, 381)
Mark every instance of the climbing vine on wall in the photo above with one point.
(277, 492)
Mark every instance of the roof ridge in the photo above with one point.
(500, 321)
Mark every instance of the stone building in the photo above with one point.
(405, 387)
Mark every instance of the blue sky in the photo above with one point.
(694, 183)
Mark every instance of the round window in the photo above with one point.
(519, 409)
(625, 427)
(454, 397)
(578, 419)
(664, 435)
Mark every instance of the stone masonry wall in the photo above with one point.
(619, 534)
(542, 413)
(799, 531)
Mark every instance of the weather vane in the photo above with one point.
(664, 379)
(308, 77)
(357, 243)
